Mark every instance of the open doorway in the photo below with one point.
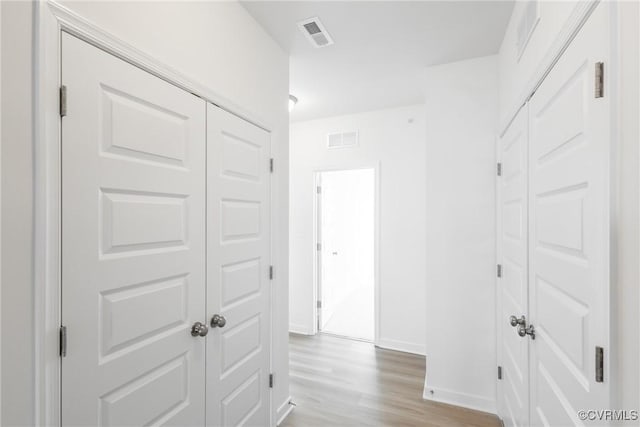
(345, 264)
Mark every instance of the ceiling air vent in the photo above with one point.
(342, 140)
(315, 32)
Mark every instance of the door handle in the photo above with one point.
(528, 330)
(199, 330)
(514, 321)
(218, 321)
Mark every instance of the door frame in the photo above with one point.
(317, 256)
(50, 20)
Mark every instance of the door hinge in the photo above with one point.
(271, 272)
(63, 341)
(499, 169)
(63, 101)
(499, 372)
(599, 364)
(319, 304)
(318, 246)
(599, 79)
(499, 270)
(271, 165)
(271, 380)
(318, 189)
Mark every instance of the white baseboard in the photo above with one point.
(478, 403)
(283, 411)
(300, 329)
(407, 347)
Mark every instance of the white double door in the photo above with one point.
(165, 223)
(553, 243)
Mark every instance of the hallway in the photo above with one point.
(336, 381)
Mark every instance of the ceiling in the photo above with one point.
(381, 48)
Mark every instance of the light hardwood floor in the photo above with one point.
(341, 382)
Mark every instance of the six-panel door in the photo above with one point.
(133, 244)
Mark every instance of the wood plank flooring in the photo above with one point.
(341, 382)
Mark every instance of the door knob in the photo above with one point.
(218, 321)
(529, 330)
(199, 330)
(514, 321)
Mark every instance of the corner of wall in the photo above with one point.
(470, 401)
(462, 112)
(284, 410)
(296, 328)
(404, 346)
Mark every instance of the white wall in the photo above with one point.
(17, 216)
(622, 75)
(348, 263)
(217, 44)
(394, 139)
(461, 118)
(515, 73)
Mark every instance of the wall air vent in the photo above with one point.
(528, 22)
(342, 140)
(315, 32)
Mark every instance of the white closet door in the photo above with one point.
(512, 287)
(133, 245)
(334, 244)
(569, 232)
(238, 259)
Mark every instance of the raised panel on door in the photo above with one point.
(238, 261)
(569, 229)
(133, 245)
(513, 350)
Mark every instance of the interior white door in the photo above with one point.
(333, 247)
(133, 245)
(569, 231)
(512, 286)
(238, 261)
(347, 220)
(319, 258)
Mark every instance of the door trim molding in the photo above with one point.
(50, 20)
(376, 166)
(570, 29)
